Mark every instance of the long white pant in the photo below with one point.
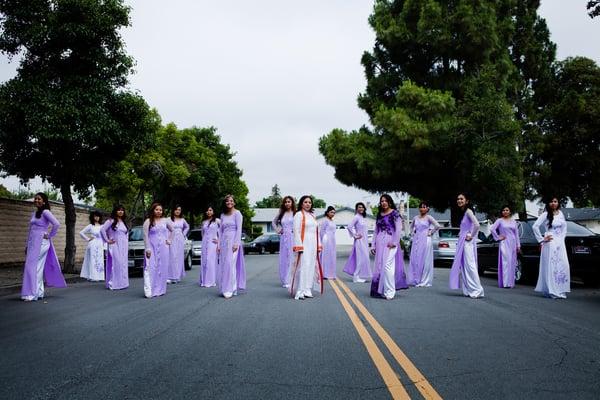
(40, 271)
(427, 277)
(471, 285)
(234, 258)
(389, 275)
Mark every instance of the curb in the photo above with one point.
(8, 290)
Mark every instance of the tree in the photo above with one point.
(4, 192)
(318, 203)
(593, 7)
(272, 201)
(66, 116)
(450, 86)
(569, 163)
(189, 167)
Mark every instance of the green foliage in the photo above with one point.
(4, 192)
(318, 203)
(189, 167)
(593, 7)
(272, 201)
(569, 148)
(451, 87)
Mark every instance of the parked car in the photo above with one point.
(137, 250)
(195, 236)
(444, 245)
(583, 252)
(267, 242)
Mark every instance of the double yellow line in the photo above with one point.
(390, 378)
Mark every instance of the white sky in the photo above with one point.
(273, 76)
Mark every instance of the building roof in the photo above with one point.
(581, 214)
(443, 216)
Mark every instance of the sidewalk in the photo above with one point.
(12, 277)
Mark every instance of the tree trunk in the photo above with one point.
(70, 219)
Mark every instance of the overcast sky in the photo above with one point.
(273, 76)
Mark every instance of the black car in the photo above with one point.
(583, 251)
(267, 242)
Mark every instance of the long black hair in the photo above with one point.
(302, 201)
(93, 214)
(173, 212)
(364, 213)
(550, 212)
(45, 206)
(390, 202)
(223, 206)
(459, 213)
(151, 212)
(214, 216)
(113, 216)
(282, 209)
(330, 208)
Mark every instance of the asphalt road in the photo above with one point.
(85, 342)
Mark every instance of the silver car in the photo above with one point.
(137, 249)
(444, 245)
(195, 236)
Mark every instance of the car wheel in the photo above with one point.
(188, 261)
(481, 270)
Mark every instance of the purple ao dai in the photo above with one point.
(210, 256)
(359, 264)
(464, 266)
(507, 250)
(232, 277)
(177, 249)
(156, 267)
(389, 258)
(117, 268)
(420, 268)
(41, 262)
(285, 228)
(328, 255)
(554, 276)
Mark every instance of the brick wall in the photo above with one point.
(14, 227)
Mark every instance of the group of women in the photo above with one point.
(164, 243)
(308, 252)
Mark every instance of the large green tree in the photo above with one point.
(189, 167)
(271, 201)
(67, 116)
(593, 7)
(446, 101)
(569, 161)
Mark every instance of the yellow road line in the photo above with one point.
(413, 373)
(385, 370)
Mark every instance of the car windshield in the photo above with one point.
(573, 228)
(262, 238)
(446, 233)
(195, 235)
(136, 234)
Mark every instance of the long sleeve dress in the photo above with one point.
(306, 272)
(285, 229)
(329, 254)
(210, 256)
(420, 268)
(117, 268)
(177, 250)
(41, 262)
(232, 277)
(156, 267)
(554, 278)
(507, 250)
(464, 266)
(93, 261)
(359, 265)
(389, 273)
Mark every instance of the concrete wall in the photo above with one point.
(14, 228)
